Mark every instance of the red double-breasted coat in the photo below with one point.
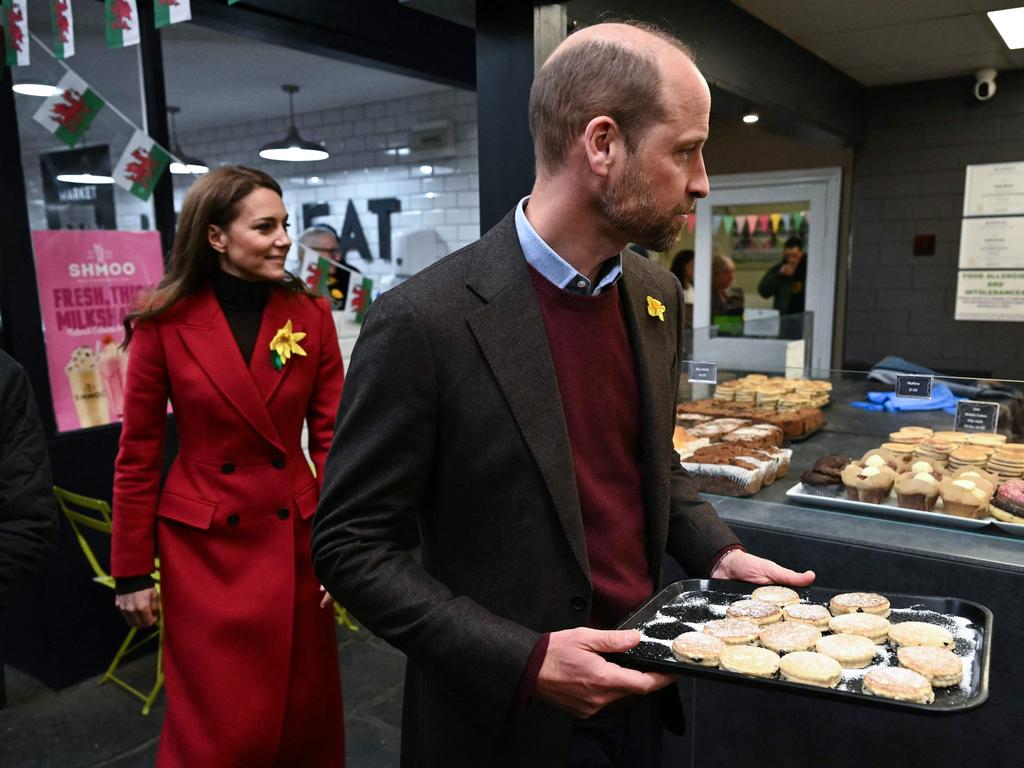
(250, 658)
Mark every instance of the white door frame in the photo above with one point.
(822, 187)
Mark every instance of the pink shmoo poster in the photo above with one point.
(88, 281)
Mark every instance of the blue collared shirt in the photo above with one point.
(556, 269)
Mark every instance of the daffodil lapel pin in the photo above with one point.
(284, 344)
(655, 308)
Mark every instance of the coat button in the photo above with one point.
(228, 468)
(283, 513)
(233, 520)
(278, 462)
(578, 602)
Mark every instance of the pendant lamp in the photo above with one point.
(293, 148)
(184, 163)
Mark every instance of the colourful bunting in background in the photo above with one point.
(122, 22)
(63, 29)
(776, 219)
(752, 223)
(730, 222)
(141, 165)
(786, 223)
(716, 224)
(69, 114)
(16, 33)
(171, 11)
(764, 223)
(798, 222)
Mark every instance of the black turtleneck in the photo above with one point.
(243, 302)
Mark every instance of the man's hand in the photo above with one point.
(574, 678)
(140, 609)
(788, 269)
(743, 566)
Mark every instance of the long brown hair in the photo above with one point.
(213, 199)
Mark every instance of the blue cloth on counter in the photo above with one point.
(888, 368)
(942, 399)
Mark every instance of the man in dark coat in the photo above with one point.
(28, 509)
(786, 283)
(516, 402)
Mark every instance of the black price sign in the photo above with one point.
(914, 386)
(705, 373)
(974, 416)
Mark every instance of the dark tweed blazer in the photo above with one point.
(451, 420)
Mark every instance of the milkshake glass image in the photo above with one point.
(111, 368)
(87, 388)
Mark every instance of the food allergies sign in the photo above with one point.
(88, 280)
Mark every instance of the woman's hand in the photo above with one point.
(327, 599)
(140, 609)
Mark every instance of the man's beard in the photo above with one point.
(629, 206)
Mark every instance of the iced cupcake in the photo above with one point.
(917, 490)
(868, 483)
(879, 458)
(964, 498)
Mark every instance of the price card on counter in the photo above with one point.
(975, 416)
(704, 373)
(910, 385)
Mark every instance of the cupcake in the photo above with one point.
(1008, 504)
(986, 480)
(930, 466)
(879, 458)
(964, 498)
(825, 477)
(917, 490)
(868, 483)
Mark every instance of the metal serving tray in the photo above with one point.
(686, 605)
(888, 508)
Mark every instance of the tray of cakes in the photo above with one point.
(904, 651)
(946, 478)
(797, 422)
(731, 457)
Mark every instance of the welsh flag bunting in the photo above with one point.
(171, 11)
(122, 22)
(69, 114)
(361, 298)
(316, 273)
(63, 29)
(16, 33)
(141, 165)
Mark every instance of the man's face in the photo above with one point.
(324, 243)
(660, 180)
(793, 255)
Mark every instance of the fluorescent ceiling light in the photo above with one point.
(35, 89)
(84, 178)
(751, 117)
(1010, 25)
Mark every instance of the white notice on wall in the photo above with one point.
(990, 295)
(992, 243)
(996, 189)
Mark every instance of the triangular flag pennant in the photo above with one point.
(786, 223)
(171, 11)
(16, 33)
(63, 28)
(69, 114)
(122, 20)
(752, 223)
(776, 219)
(141, 165)
(730, 222)
(764, 223)
(716, 224)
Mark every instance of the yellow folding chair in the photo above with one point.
(83, 512)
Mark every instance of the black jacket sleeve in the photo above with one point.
(28, 509)
(769, 284)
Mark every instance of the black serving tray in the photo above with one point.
(686, 605)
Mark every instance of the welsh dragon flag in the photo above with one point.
(171, 11)
(141, 165)
(16, 33)
(122, 21)
(63, 29)
(69, 114)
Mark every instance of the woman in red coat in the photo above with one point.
(246, 356)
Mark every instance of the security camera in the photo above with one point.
(985, 85)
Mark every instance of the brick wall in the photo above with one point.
(909, 179)
(360, 168)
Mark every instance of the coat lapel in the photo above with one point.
(208, 338)
(510, 330)
(281, 307)
(652, 341)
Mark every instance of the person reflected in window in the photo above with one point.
(682, 268)
(786, 283)
(726, 299)
(247, 355)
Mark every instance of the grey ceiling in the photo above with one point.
(883, 42)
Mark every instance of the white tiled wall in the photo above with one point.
(445, 200)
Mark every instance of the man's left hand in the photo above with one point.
(743, 566)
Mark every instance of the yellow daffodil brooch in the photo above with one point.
(284, 344)
(655, 308)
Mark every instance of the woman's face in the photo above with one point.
(688, 270)
(254, 245)
(723, 277)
